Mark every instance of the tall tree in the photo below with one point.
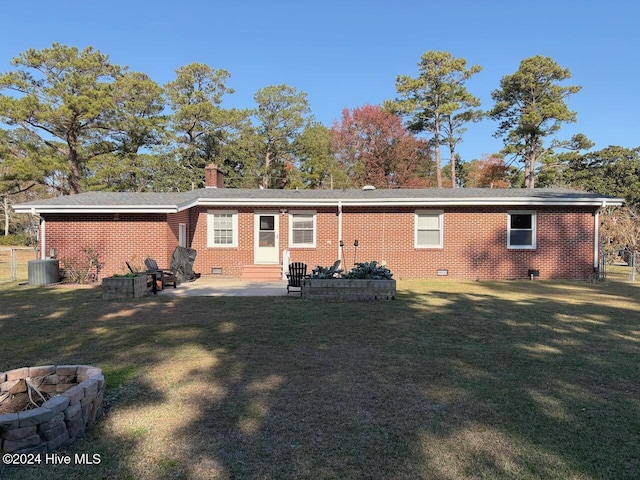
(376, 149)
(64, 101)
(199, 123)
(140, 123)
(281, 114)
(438, 102)
(611, 171)
(489, 172)
(316, 162)
(530, 106)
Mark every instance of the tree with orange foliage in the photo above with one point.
(490, 172)
(376, 149)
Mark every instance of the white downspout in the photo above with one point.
(596, 236)
(339, 230)
(43, 239)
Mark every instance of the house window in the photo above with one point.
(428, 229)
(302, 229)
(521, 230)
(222, 228)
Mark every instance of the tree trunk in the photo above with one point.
(452, 149)
(5, 203)
(436, 132)
(73, 162)
(267, 166)
(530, 160)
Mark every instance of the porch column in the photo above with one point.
(43, 239)
(596, 238)
(340, 231)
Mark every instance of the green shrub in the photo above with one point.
(326, 272)
(16, 239)
(363, 271)
(369, 271)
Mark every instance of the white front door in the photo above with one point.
(266, 238)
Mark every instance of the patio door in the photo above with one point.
(266, 241)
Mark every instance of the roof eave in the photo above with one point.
(44, 209)
(307, 202)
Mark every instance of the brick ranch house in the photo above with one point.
(485, 234)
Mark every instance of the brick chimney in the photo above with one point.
(213, 177)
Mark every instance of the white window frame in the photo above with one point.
(210, 231)
(314, 216)
(534, 229)
(440, 215)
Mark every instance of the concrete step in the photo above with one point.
(261, 273)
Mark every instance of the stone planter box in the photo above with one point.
(124, 287)
(348, 290)
(76, 393)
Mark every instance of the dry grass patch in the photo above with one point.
(453, 380)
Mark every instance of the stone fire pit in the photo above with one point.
(73, 395)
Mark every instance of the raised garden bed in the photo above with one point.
(365, 282)
(67, 400)
(124, 287)
(338, 289)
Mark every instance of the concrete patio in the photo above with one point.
(221, 287)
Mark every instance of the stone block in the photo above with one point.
(67, 379)
(56, 404)
(52, 379)
(66, 370)
(17, 373)
(75, 425)
(75, 394)
(63, 387)
(100, 379)
(50, 433)
(58, 441)
(86, 412)
(34, 417)
(57, 419)
(90, 387)
(48, 388)
(85, 372)
(42, 370)
(19, 433)
(14, 445)
(3, 377)
(72, 410)
(13, 386)
(9, 421)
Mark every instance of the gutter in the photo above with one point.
(596, 236)
(309, 202)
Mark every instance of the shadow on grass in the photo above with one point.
(496, 380)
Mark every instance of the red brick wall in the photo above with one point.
(117, 238)
(475, 241)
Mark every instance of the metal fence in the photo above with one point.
(14, 263)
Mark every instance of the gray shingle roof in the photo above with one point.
(172, 202)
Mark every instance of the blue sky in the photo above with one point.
(349, 53)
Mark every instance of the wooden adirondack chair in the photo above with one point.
(297, 271)
(164, 276)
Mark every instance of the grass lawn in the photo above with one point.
(453, 380)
